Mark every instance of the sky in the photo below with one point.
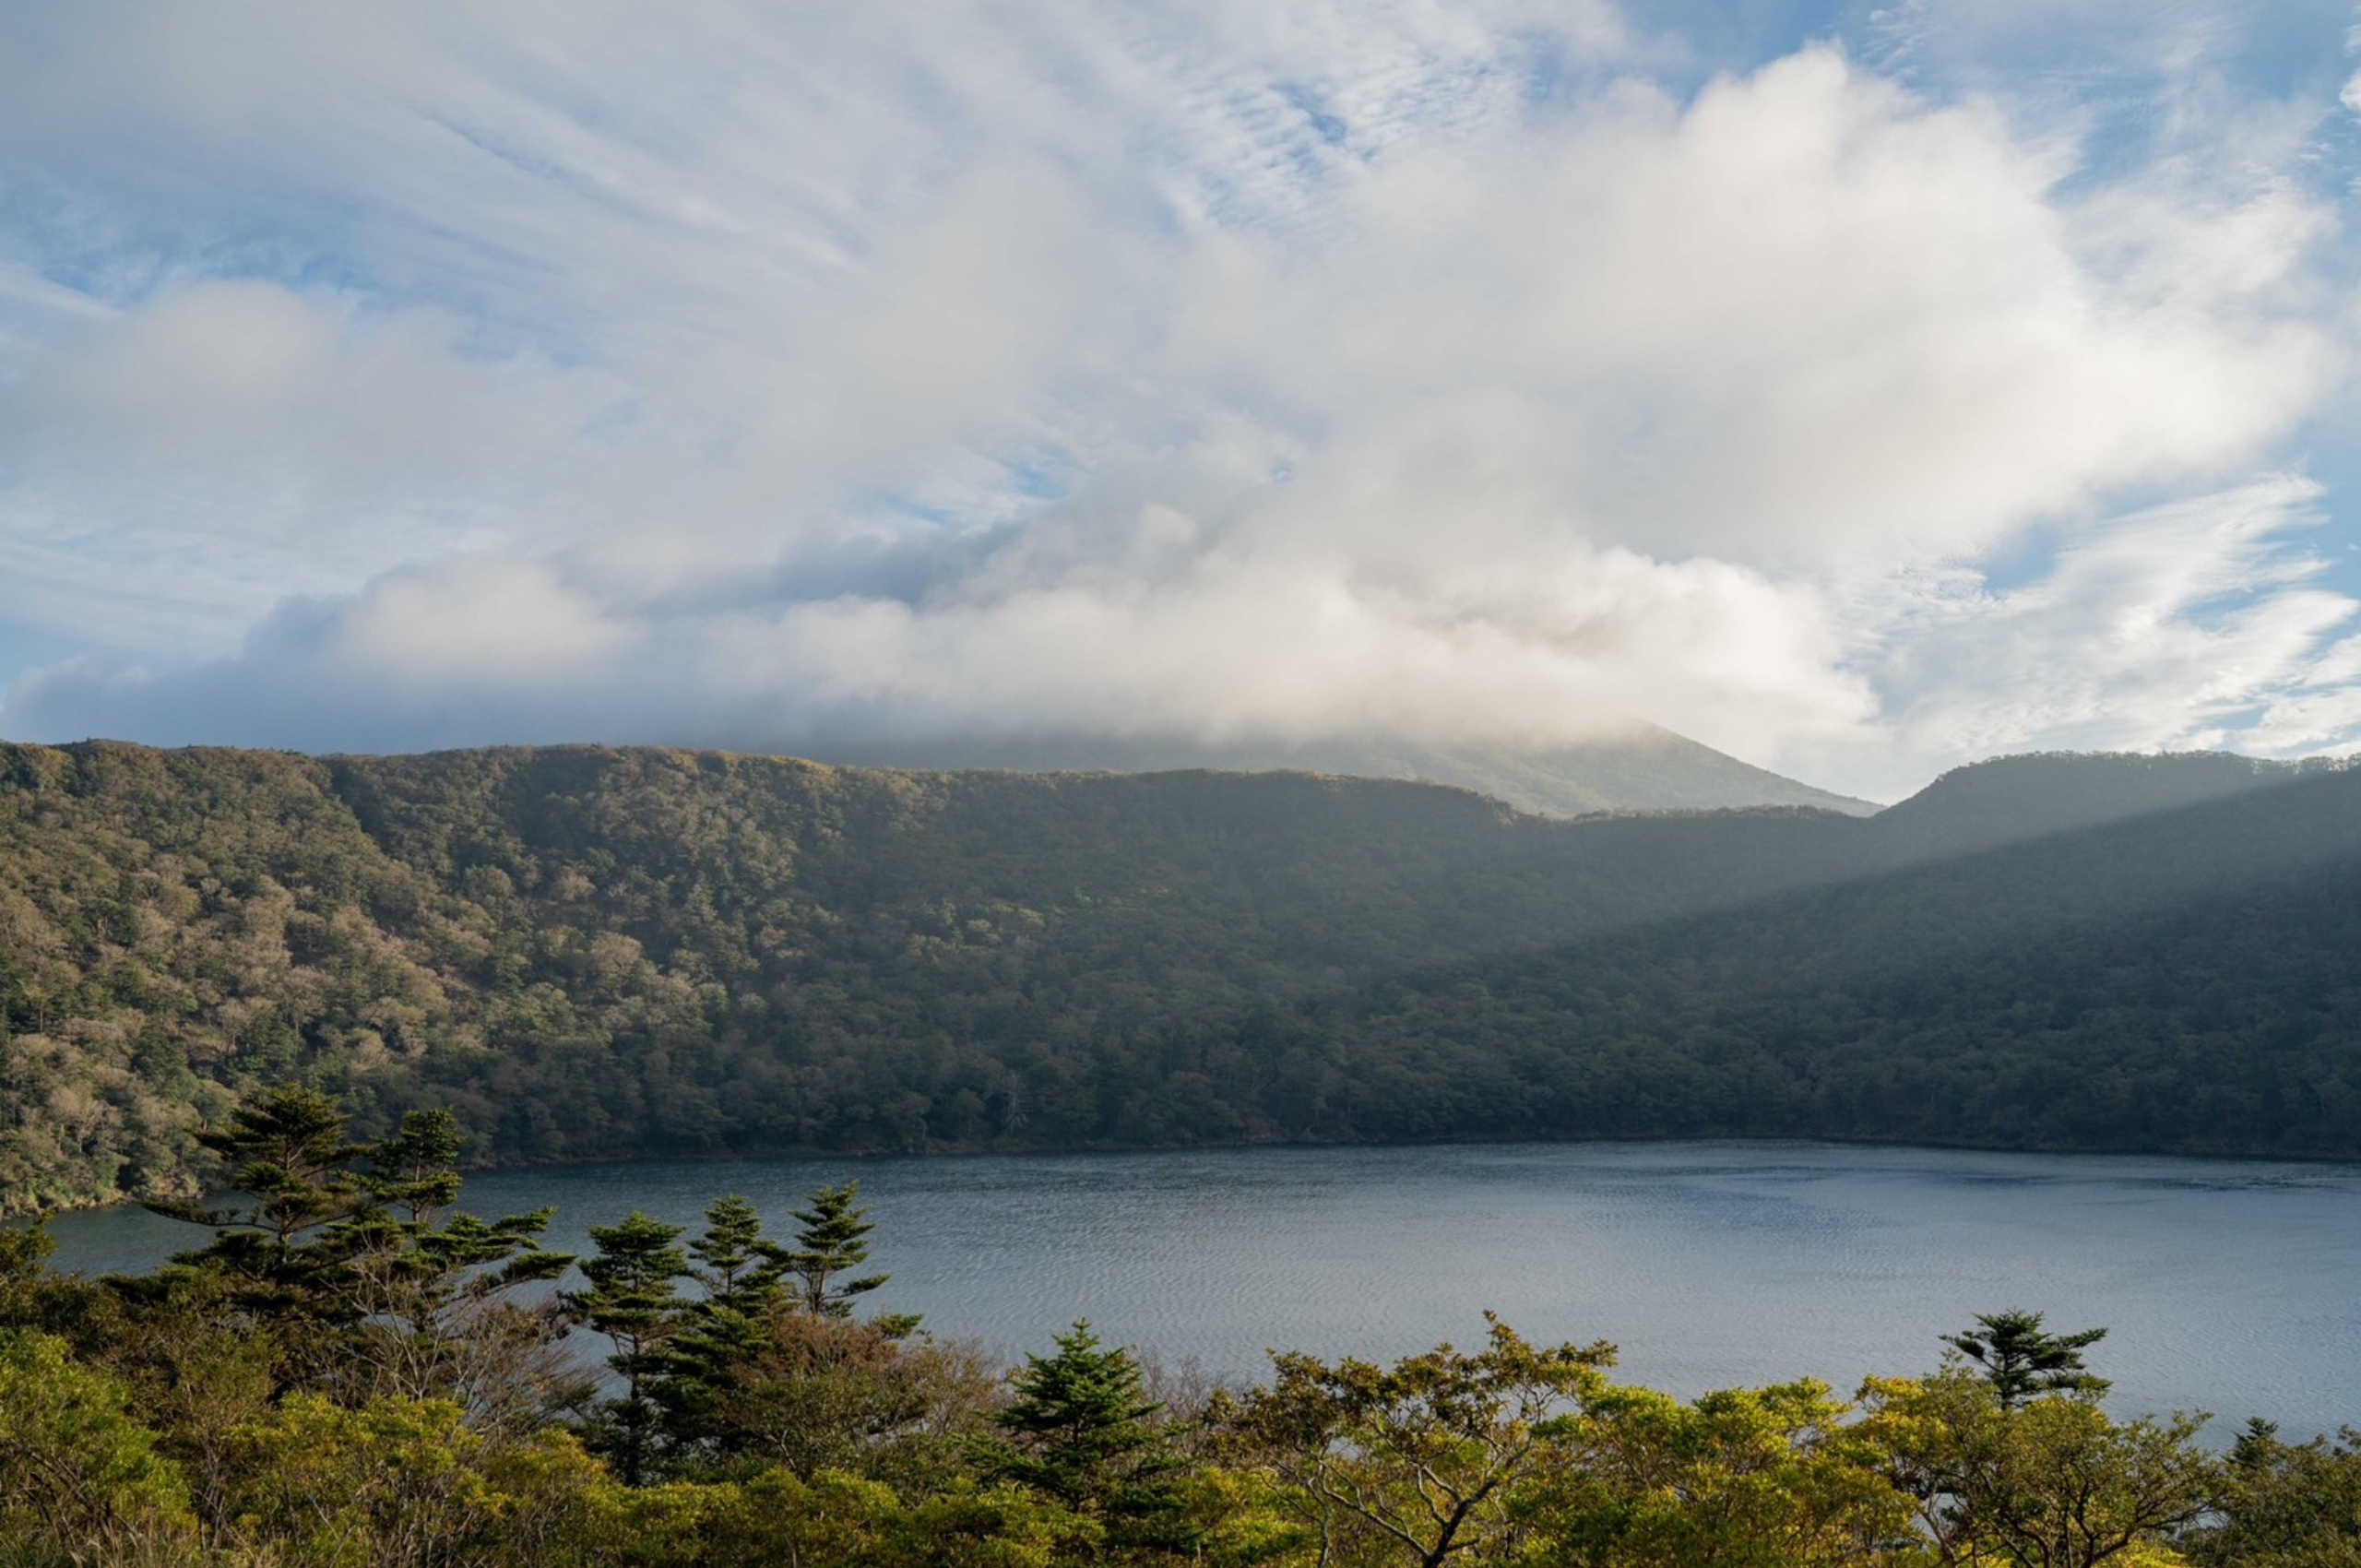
(1861, 390)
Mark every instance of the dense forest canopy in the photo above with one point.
(594, 952)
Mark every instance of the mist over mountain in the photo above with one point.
(607, 952)
(1639, 768)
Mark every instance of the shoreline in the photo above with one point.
(12, 1219)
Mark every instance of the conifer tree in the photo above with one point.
(366, 1292)
(436, 1308)
(741, 1272)
(1081, 1430)
(2020, 1358)
(832, 1242)
(740, 1266)
(631, 1302)
(417, 1170)
(289, 1152)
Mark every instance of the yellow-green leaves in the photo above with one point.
(77, 1472)
(1777, 1477)
(1421, 1462)
(2054, 1482)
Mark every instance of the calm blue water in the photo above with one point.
(2228, 1286)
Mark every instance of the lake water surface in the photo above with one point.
(2228, 1286)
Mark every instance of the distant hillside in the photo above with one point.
(2030, 796)
(1643, 768)
(605, 953)
(2186, 979)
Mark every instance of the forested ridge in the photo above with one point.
(2188, 981)
(595, 952)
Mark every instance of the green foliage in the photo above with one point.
(392, 1481)
(195, 1365)
(402, 1483)
(2054, 1482)
(769, 1368)
(2286, 1504)
(160, 1420)
(76, 1470)
(1427, 1461)
(2020, 1358)
(585, 952)
(350, 1268)
(738, 1266)
(833, 1519)
(596, 952)
(1081, 1430)
(632, 1298)
(1772, 1477)
(24, 1252)
(832, 1241)
(286, 1151)
(811, 1393)
(417, 1169)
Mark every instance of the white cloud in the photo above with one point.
(502, 623)
(1803, 315)
(2202, 623)
(287, 415)
(1426, 368)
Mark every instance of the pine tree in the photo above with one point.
(742, 1274)
(740, 1267)
(2021, 1359)
(434, 1306)
(289, 1152)
(631, 1300)
(417, 1169)
(833, 1241)
(362, 1290)
(1081, 1430)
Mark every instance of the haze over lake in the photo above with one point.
(2229, 1286)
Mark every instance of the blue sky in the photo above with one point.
(1862, 390)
